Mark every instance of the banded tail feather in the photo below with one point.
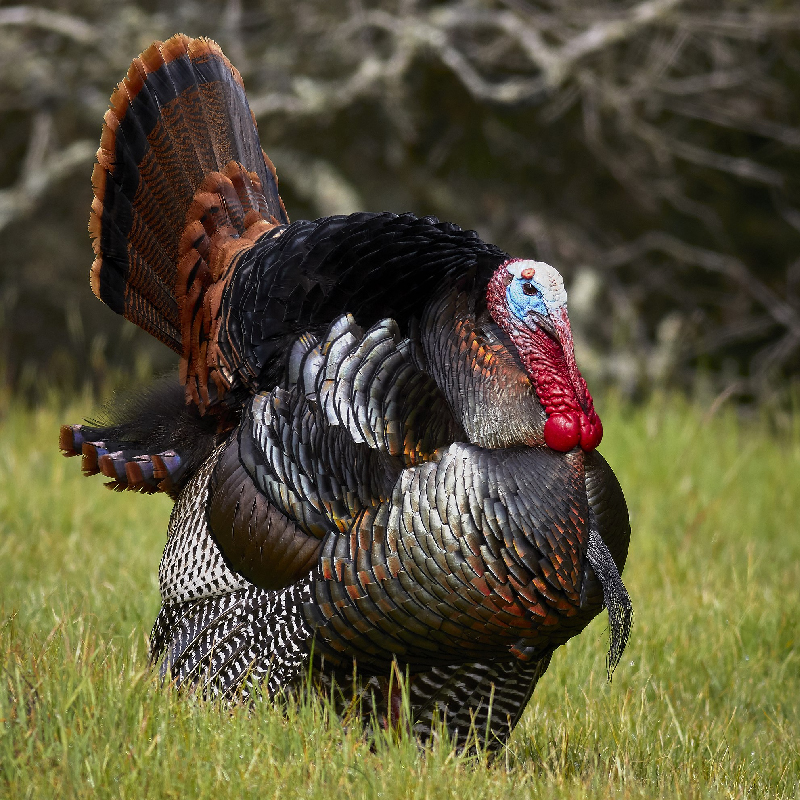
(151, 441)
(127, 469)
(181, 186)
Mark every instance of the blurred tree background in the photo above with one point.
(649, 150)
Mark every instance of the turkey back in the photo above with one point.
(181, 186)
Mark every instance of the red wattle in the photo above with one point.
(591, 432)
(562, 432)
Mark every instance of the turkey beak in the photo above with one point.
(556, 325)
(544, 323)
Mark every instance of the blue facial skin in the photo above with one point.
(521, 304)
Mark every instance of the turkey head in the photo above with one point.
(528, 300)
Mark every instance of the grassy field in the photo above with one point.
(706, 702)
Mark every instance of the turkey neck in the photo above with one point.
(487, 390)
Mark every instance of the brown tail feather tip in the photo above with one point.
(66, 440)
(96, 216)
(94, 276)
(89, 465)
(133, 472)
(107, 467)
(162, 475)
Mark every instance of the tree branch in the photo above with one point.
(55, 21)
(41, 169)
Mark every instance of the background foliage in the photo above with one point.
(647, 149)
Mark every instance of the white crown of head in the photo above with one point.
(547, 279)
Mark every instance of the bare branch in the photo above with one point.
(658, 241)
(740, 167)
(741, 330)
(720, 116)
(748, 25)
(318, 182)
(706, 82)
(41, 169)
(65, 24)
(320, 97)
(789, 214)
(602, 34)
(557, 63)
(431, 33)
(776, 354)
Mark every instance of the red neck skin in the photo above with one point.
(550, 364)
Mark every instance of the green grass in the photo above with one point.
(706, 702)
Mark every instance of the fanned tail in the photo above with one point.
(181, 187)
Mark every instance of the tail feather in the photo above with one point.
(225, 219)
(151, 441)
(181, 186)
(127, 469)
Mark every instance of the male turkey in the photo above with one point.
(380, 447)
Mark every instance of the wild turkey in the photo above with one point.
(381, 450)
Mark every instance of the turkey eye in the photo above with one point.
(530, 289)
